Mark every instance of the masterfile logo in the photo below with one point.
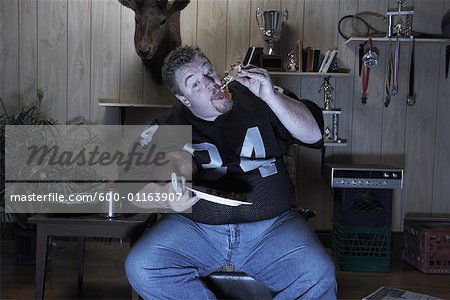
(51, 168)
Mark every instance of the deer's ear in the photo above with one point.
(129, 3)
(176, 5)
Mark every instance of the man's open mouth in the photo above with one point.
(218, 96)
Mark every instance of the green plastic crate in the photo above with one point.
(366, 249)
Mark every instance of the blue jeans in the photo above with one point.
(282, 252)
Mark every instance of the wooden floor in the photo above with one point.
(105, 278)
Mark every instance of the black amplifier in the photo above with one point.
(363, 176)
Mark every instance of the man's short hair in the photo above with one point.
(179, 57)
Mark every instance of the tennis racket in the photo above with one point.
(363, 24)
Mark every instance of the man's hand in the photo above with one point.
(258, 81)
(184, 202)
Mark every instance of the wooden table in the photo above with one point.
(81, 226)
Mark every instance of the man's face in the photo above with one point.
(200, 90)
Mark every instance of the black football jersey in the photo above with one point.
(241, 151)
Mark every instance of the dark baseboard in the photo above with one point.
(324, 236)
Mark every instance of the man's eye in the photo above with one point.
(195, 84)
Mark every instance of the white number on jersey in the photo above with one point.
(253, 143)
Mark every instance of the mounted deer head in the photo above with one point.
(157, 30)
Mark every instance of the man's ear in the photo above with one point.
(183, 100)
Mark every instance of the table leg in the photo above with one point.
(41, 261)
(80, 264)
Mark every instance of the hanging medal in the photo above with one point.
(370, 60)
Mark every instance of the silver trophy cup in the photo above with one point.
(271, 23)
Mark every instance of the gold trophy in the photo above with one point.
(271, 23)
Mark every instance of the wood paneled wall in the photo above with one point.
(78, 51)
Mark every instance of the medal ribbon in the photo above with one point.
(396, 67)
(366, 73)
(389, 74)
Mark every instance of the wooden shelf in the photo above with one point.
(385, 40)
(116, 103)
(310, 74)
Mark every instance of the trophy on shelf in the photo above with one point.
(292, 65)
(331, 135)
(327, 97)
(271, 23)
(400, 21)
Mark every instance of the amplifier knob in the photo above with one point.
(386, 175)
(394, 175)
